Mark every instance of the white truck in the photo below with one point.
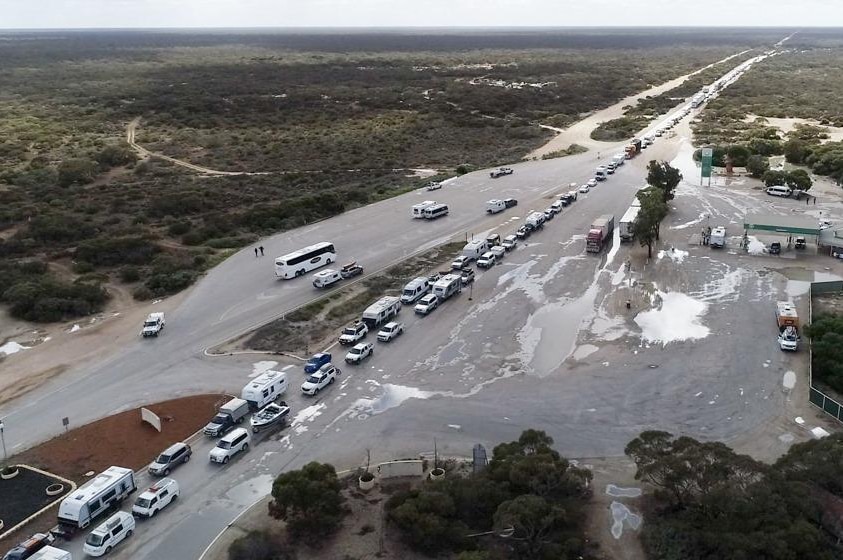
(601, 173)
(153, 325)
(447, 286)
(381, 311)
(494, 206)
(619, 160)
(94, 498)
(718, 237)
(627, 223)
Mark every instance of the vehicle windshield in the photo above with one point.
(218, 419)
(355, 350)
(163, 459)
(314, 379)
(222, 444)
(94, 539)
(349, 330)
(149, 324)
(142, 502)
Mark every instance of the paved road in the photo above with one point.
(495, 354)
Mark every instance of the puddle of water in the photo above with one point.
(620, 515)
(245, 493)
(677, 318)
(12, 348)
(392, 396)
(789, 380)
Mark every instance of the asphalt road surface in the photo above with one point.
(539, 341)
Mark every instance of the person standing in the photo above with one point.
(256, 252)
(261, 248)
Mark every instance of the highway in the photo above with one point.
(475, 354)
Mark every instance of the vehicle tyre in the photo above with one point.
(151, 515)
(245, 447)
(166, 472)
(187, 458)
(332, 380)
(175, 497)
(328, 260)
(107, 549)
(224, 460)
(254, 430)
(130, 533)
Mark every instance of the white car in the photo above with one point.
(460, 262)
(584, 189)
(157, 497)
(426, 304)
(498, 251)
(390, 330)
(353, 333)
(789, 339)
(317, 381)
(591, 183)
(229, 445)
(433, 185)
(509, 242)
(486, 260)
(359, 352)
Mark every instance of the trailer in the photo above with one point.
(381, 311)
(786, 315)
(627, 223)
(92, 499)
(447, 286)
(599, 233)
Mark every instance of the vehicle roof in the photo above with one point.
(233, 434)
(153, 316)
(175, 447)
(416, 281)
(326, 272)
(157, 487)
(111, 521)
(390, 325)
(487, 255)
(428, 297)
(319, 355)
(360, 345)
(99, 483)
(510, 237)
(266, 378)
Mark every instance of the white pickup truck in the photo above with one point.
(153, 325)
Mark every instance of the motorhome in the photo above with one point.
(95, 497)
(435, 211)
(447, 286)
(381, 311)
(415, 289)
(325, 278)
(264, 389)
(418, 209)
(474, 248)
(535, 220)
(718, 237)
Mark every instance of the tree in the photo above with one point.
(309, 500)
(76, 172)
(647, 223)
(757, 165)
(114, 155)
(663, 177)
(795, 151)
(774, 177)
(258, 545)
(534, 520)
(798, 179)
(428, 520)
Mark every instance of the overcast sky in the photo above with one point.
(420, 13)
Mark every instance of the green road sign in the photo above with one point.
(707, 154)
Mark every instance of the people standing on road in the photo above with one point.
(256, 252)
(261, 248)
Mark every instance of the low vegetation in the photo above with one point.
(826, 332)
(571, 150)
(335, 122)
(710, 502)
(800, 84)
(303, 328)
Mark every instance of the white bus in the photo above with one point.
(304, 260)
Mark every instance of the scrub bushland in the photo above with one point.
(333, 120)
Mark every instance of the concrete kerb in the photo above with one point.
(51, 505)
(209, 351)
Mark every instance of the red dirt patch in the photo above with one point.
(121, 439)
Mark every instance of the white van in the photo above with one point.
(415, 289)
(325, 278)
(418, 209)
(116, 528)
(157, 497)
(494, 206)
(264, 389)
(779, 190)
(473, 249)
(435, 211)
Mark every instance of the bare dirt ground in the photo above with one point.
(121, 439)
(580, 132)
(620, 472)
(57, 347)
(786, 125)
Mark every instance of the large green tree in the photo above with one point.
(799, 179)
(77, 171)
(309, 500)
(533, 521)
(664, 177)
(757, 165)
(648, 222)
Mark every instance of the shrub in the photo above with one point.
(142, 293)
(757, 165)
(46, 299)
(82, 267)
(179, 228)
(77, 171)
(59, 228)
(309, 500)
(129, 274)
(259, 545)
(165, 283)
(117, 251)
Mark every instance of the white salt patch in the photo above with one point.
(756, 247)
(677, 318)
(676, 255)
(75, 328)
(618, 492)
(701, 217)
(620, 515)
(819, 432)
(308, 414)
(259, 368)
(799, 420)
(789, 380)
(12, 348)
(454, 426)
(393, 395)
(584, 351)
